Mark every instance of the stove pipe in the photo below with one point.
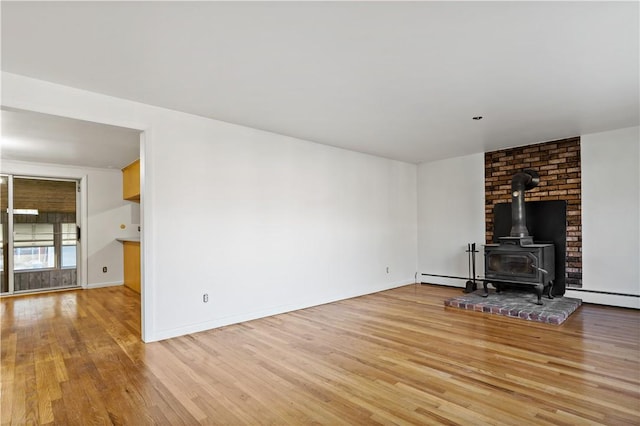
(522, 181)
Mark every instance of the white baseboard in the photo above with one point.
(108, 284)
(447, 282)
(605, 299)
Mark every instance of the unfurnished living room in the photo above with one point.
(300, 212)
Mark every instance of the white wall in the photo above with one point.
(450, 215)
(260, 222)
(611, 216)
(264, 223)
(106, 211)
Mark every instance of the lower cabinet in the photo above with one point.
(132, 265)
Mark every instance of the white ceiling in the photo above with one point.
(396, 79)
(44, 138)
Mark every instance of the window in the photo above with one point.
(68, 232)
(33, 246)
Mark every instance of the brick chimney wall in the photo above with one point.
(558, 163)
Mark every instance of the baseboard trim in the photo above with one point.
(598, 298)
(100, 285)
(451, 285)
(608, 293)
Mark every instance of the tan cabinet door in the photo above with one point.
(132, 265)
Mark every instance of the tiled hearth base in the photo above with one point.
(517, 304)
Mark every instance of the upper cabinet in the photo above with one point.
(131, 182)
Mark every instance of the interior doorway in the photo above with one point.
(40, 234)
(39, 144)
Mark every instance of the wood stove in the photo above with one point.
(517, 260)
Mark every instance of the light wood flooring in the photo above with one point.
(395, 357)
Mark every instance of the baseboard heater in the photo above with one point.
(609, 293)
(483, 279)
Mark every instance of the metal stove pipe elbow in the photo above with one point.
(522, 181)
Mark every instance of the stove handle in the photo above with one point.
(544, 271)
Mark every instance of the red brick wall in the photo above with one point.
(558, 163)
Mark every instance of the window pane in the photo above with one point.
(69, 256)
(33, 258)
(69, 240)
(69, 234)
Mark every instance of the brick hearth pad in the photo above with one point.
(517, 304)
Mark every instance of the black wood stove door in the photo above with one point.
(515, 265)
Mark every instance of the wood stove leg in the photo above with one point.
(539, 290)
(550, 291)
(485, 291)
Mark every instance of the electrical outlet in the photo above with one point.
(104, 269)
(205, 298)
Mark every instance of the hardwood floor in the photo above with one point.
(396, 357)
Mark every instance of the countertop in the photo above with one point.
(129, 239)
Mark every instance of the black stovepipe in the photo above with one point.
(522, 181)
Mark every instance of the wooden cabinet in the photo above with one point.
(131, 249)
(131, 182)
(132, 265)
